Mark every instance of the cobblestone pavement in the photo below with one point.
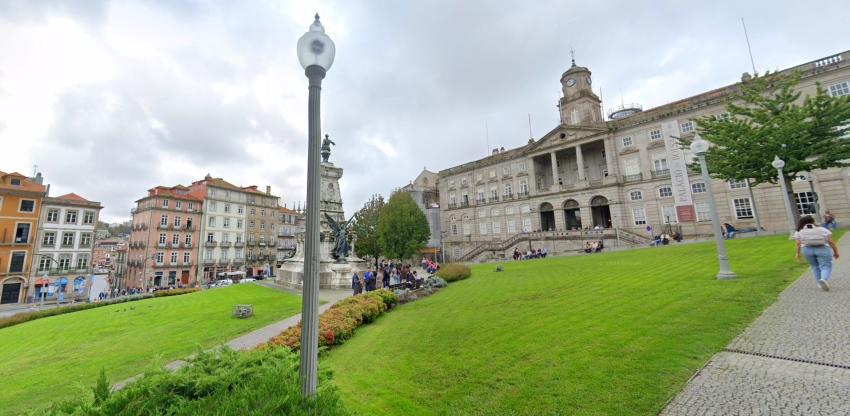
(792, 360)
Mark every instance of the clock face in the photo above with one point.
(571, 82)
(589, 81)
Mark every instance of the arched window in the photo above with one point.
(571, 203)
(598, 201)
(546, 207)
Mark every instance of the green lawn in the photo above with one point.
(616, 333)
(51, 358)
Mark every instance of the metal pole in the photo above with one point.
(791, 227)
(815, 197)
(310, 285)
(753, 205)
(725, 271)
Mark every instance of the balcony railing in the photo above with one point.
(175, 245)
(452, 205)
(162, 226)
(661, 173)
(507, 196)
(239, 244)
(251, 244)
(481, 200)
(190, 228)
(494, 199)
(208, 262)
(187, 245)
(633, 178)
(261, 243)
(272, 243)
(160, 245)
(238, 261)
(226, 244)
(522, 194)
(176, 227)
(464, 204)
(187, 264)
(210, 244)
(64, 270)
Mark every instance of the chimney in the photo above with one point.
(268, 190)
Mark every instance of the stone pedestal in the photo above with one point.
(332, 274)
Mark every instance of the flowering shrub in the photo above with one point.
(389, 298)
(173, 292)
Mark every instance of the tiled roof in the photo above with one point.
(26, 184)
(286, 210)
(72, 196)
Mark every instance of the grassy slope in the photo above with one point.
(48, 358)
(615, 333)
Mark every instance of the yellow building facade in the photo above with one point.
(20, 204)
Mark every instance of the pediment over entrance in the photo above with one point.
(563, 135)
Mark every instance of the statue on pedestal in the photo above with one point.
(326, 148)
(340, 248)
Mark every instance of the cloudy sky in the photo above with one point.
(110, 98)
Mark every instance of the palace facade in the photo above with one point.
(618, 177)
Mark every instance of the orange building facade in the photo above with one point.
(20, 205)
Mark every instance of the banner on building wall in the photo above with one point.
(678, 172)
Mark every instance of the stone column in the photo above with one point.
(554, 170)
(580, 161)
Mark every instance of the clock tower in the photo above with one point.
(579, 105)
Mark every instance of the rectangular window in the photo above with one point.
(630, 167)
(190, 206)
(161, 240)
(497, 227)
(64, 261)
(743, 209)
(186, 258)
(224, 254)
(466, 229)
(639, 216)
(175, 239)
(85, 239)
(67, 239)
(82, 261)
(71, 217)
(511, 227)
(737, 184)
(627, 141)
(226, 223)
(482, 227)
(687, 126)
(506, 170)
(88, 217)
(239, 224)
(492, 173)
(27, 205)
(178, 204)
(803, 200)
(654, 134)
(262, 225)
(240, 210)
(52, 215)
(173, 257)
(698, 187)
(213, 206)
(454, 229)
(703, 211)
(520, 167)
(163, 220)
(211, 222)
(668, 214)
(839, 89)
(210, 237)
(44, 263)
(178, 221)
(253, 211)
(18, 261)
(456, 252)
(209, 255)
(188, 240)
(659, 161)
(165, 203)
(526, 225)
(251, 224)
(22, 233)
(212, 191)
(227, 208)
(721, 116)
(238, 254)
(159, 258)
(49, 239)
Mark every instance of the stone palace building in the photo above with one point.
(614, 176)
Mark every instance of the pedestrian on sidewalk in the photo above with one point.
(817, 245)
(356, 284)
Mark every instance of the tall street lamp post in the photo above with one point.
(811, 179)
(316, 54)
(700, 147)
(779, 164)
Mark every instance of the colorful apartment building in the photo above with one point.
(64, 249)
(20, 204)
(261, 232)
(288, 224)
(164, 240)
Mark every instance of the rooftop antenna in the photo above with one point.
(748, 46)
(623, 103)
(530, 137)
(487, 130)
(572, 54)
(34, 170)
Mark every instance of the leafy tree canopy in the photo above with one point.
(765, 119)
(403, 228)
(366, 227)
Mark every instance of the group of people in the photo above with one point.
(530, 254)
(430, 266)
(664, 239)
(379, 277)
(594, 246)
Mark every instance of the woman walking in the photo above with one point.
(816, 244)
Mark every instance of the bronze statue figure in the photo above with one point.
(326, 148)
(340, 249)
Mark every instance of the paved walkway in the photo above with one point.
(265, 333)
(792, 360)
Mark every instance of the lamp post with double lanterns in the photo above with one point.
(779, 164)
(316, 54)
(700, 147)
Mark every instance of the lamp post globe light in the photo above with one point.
(700, 147)
(316, 54)
(779, 164)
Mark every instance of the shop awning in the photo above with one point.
(42, 282)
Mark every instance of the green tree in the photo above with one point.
(766, 119)
(403, 228)
(366, 227)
